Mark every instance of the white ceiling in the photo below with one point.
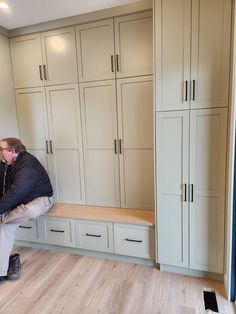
(28, 12)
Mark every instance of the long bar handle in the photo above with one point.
(185, 192)
(93, 235)
(40, 73)
(131, 240)
(186, 91)
(193, 89)
(115, 146)
(25, 227)
(45, 72)
(112, 64)
(117, 63)
(50, 143)
(59, 231)
(120, 147)
(47, 150)
(191, 193)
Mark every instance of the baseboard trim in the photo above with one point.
(191, 272)
(110, 256)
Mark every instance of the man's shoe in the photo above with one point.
(3, 278)
(14, 268)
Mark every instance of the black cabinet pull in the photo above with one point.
(25, 227)
(120, 147)
(193, 90)
(40, 73)
(45, 72)
(50, 144)
(130, 240)
(112, 63)
(185, 193)
(60, 231)
(191, 193)
(93, 235)
(117, 63)
(186, 91)
(115, 146)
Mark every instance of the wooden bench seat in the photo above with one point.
(101, 213)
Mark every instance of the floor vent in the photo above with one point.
(210, 300)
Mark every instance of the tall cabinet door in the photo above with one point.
(66, 143)
(207, 176)
(135, 121)
(133, 44)
(95, 47)
(59, 54)
(211, 20)
(173, 33)
(26, 61)
(172, 129)
(98, 100)
(32, 120)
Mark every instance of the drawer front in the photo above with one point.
(94, 235)
(28, 231)
(59, 231)
(134, 240)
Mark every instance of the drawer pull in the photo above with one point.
(130, 240)
(25, 227)
(93, 235)
(60, 231)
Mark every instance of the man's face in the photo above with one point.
(6, 154)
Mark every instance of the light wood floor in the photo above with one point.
(56, 282)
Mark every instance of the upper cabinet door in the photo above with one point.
(192, 53)
(59, 51)
(173, 33)
(27, 61)
(95, 46)
(211, 21)
(133, 44)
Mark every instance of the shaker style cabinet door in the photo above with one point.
(192, 53)
(42, 59)
(135, 123)
(98, 101)
(59, 54)
(95, 46)
(207, 177)
(133, 44)
(65, 145)
(27, 61)
(172, 136)
(32, 121)
(210, 57)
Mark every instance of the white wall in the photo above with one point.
(8, 120)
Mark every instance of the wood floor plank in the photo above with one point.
(55, 282)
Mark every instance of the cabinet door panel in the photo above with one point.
(137, 177)
(173, 32)
(32, 120)
(60, 56)
(207, 174)
(95, 46)
(172, 173)
(210, 52)
(100, 130)
(133, 44)
(26, 59)
(65, 133)
(135, 116)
